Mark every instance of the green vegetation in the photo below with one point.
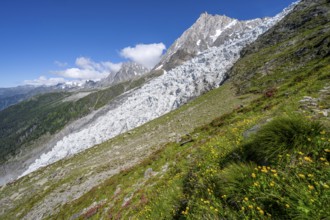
(283, 173)
(218, 176)
(26, 122)
(99, 160)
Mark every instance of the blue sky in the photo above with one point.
(58, 38)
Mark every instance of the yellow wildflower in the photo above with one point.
(310, 175)
(310, 187)
(301, 153)
(272, 184)
(250, 206)
(273, 170)
(264, 169)
(327, 150)
(253, 175)
(287, 206)
(308, 159)
(322, 132)
(323, 159)
(326, 186)
(275, 174)
(301, 175)
(246, 199)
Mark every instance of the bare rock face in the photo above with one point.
(207, 31)
(128, 71)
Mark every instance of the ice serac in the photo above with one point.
(160, 95)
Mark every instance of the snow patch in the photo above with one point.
(158, 68)
(220, 31)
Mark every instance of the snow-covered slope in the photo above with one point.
(159, 96)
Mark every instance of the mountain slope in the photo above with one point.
(157, 97)
(11, 96)
(215, 172)
(293, 44)
(30, 128)
(71, 178)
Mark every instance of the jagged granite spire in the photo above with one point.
(128, 71)
(207, 31)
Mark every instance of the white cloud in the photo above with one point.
(87, 69)
(42, 80)
(147, 55)
(60, 64)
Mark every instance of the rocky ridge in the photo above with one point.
(128, 71)
(207, 31)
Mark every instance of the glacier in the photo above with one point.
(159, 96)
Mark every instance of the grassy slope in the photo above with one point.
(203, 180)
(70, 178)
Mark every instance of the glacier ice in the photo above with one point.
(158, 97)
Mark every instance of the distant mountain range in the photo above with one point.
(128, 71)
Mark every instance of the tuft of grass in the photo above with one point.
(280, 137)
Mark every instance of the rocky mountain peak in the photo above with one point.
(208, 31)
(128, 71)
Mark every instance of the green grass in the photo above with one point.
(283, 173)
(280, 137)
